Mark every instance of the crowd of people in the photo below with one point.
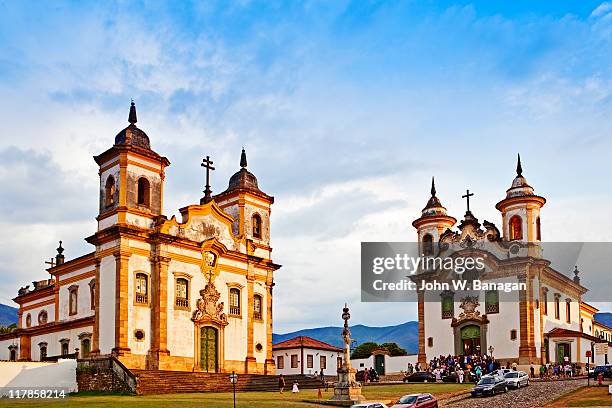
(473, 367)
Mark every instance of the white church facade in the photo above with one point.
(192, 294)
(546, 321)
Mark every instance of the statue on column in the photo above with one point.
(347, 389)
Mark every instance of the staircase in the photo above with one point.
(167, 382)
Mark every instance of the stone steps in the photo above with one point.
(166, 382)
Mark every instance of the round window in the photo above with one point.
(258, 347)
(139, 334)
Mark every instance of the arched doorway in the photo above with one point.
(470, 340)
(209, 349)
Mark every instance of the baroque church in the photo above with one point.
(547, 321)
(190, 294)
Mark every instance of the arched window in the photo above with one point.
(144, 192)
(492, 301)
(85, 347)
(182, 293)
(142, 288)
(430, 342)
(28, 320)
(257, 307)
(65, 346)
(538, 231)
(13, 353)
(43, 350)
(516, 228)
(73, 298)
(92, 294)
(109, 192)
(256, 226)
(428, 247)
(234, 302)
(42, 317)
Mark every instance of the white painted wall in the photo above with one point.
(330, 356)
(107, 304)
(38, 375)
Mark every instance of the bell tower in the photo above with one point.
(521, 210)
(131, 179)
(432, 223)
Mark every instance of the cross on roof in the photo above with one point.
(467, 197)
(207, 164)
(51, 263)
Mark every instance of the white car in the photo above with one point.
(517, 379)
(370, 405)
(500, 372)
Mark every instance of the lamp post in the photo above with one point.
(234, 379)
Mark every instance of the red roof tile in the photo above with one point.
(306, 342)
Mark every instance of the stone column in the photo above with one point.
(421, 357)
(159, 314)
(95, 341)
(270, 366)
(122, 298)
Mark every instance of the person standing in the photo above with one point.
(295, 388)
(322, 376)
(281, 383)
(532, 370)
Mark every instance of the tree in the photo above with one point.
(364, 350)
(393, 349)
(7, 329)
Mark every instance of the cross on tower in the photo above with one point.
(207, 163)
(467, 197)
(51, 263)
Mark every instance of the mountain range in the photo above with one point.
(405, 335)
(8, 315)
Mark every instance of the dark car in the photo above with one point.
(489, 385)
(420, 376)
(417, 400)
(606, 370)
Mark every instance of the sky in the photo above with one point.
(346, 110)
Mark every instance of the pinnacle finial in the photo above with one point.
(243, 159)
(59, 258)
(433, 187)
(132, 116)
(519, 168)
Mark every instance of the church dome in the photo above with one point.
(434, 205)
(519, 187)
(131, 135)
(243, 179)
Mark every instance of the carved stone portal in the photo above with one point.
(208, 307)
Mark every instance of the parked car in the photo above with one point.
(490, 385)
(517, 379)
(605, 369)
(417, 400)
(420, 376)
(370, 405)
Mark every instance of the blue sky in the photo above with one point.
(346, 110)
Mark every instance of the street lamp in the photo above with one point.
(234, 379)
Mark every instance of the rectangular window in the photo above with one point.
(294, 361)
(568, 310)
(557, 308)
(234, 302)
(280, 362)
(142, 288)
(309, 361)
(448, 306)
(545, 302)
(323, 362)
(492, 302)
(182, 293)
(73, 293)
(257, 307)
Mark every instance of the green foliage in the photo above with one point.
(8, 329)
(393, 349)
(365, 350)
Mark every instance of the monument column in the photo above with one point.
(347, 389)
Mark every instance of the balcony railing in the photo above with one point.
(182, 303)
(141, 298)
(234, 310)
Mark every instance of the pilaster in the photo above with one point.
(159, 313)
(95, 341)
(122, 258)
(422, 357)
